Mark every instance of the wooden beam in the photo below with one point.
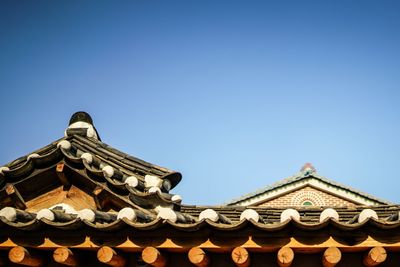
(110, 257)
(184, 243)
(60, 170)
(331, 257)
(285, 257)
(15, 196)
(375, 256)
(22, 256)
(240, 257)
(99, 198)
(198, 257)
(153, 257)
(65, 256)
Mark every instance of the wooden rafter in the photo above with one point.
(15, 196)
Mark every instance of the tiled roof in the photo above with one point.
(132, 181)
(143, 191)
(189, 219)
(302, 175)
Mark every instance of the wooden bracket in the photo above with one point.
(331, 257)
(60, 170)
(65, 256)
(375, 256)
(15, 196)
(285, 257)
(198, 257)
(241, 257)
(22, 256)
(153, 257)
(99, 197)
(110, 257)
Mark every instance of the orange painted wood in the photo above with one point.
(61, 174)
(331, 257)
(15, 196)
(110, 257)
(375, 256)
(198, 257)
(153, 257)
(285, 257)
(74, 197)
(240, 257)
(65, 256)
(22, 256)
(98, 196)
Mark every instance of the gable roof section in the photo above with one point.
(150, 217)
(307, 176)
(83, 160)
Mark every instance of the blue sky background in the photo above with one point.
(234, 94)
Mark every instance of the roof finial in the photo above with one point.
(82, 124)
(81, 116)
(308, 169)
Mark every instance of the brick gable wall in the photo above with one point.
(308, 193)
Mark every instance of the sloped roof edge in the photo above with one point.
(299, 177)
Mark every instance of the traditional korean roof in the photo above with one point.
(138, 190)
(81, 159)
(135, 212)
(194, 218)
(307, 175)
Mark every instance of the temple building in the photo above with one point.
(81, 202)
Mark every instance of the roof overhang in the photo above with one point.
(308, 181)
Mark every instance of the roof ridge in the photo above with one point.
(300, 176)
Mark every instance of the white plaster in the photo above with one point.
(32, 156)
(152, 181)
(176, 198)
(9, 213)
(290, 214)
(64, 144)
(167, 214)
(154, 190)
(209, 214)
(250, 214)
(91, 133)
(328, 213)
(108, 171)
(128, 213)
(45, 213)
(87, 157)
(4, 168)
(132, 181)
(81, 124)
(365, 214)
(166, 184)
(87, 214)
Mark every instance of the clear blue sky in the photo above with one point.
(234, 94)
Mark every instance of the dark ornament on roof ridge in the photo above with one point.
(308, 169)
(81, 116)
(81, 123)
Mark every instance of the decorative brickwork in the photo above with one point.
(307, 194)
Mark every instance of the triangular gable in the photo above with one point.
(307, 178)
(81, 172)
